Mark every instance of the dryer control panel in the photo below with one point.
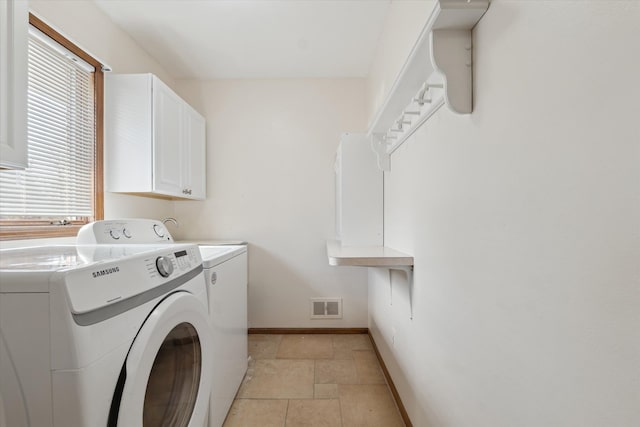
(124, 231)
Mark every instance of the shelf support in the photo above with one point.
(379, 146)
(451, 56)
(408, 269)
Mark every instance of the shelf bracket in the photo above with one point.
(379, 146)
(408, 269)
(451, 57)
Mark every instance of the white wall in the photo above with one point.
(270, 155)
(86, 25)
(524, 220)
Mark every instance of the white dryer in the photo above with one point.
(104, 336)
(225, 272)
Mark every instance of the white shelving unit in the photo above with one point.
(437, 72)
(359, 211)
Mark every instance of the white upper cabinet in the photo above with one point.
(154, 141)
(14, 21)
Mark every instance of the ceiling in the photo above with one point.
(213, 39)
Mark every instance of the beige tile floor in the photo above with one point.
(313, 381)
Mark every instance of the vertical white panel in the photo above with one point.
(360, 192)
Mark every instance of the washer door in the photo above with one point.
(169, 367)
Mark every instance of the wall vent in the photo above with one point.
(326, 308)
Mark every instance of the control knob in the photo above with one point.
(164, 266)
(159, 230)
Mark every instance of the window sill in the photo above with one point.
(38, 232)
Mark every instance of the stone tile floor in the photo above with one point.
(313, 381)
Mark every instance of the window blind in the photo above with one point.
(59, 181)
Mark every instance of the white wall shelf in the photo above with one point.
(366, 256)
(437, 72)
(373, 256)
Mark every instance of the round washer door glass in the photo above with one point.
(171, 354)
(174, 380)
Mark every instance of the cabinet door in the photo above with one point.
(167, 149)
(14, 21)
(194, 167)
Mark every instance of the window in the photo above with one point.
(62, 187)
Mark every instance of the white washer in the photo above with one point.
(104, 335)
(225, 272)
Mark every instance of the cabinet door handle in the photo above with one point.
(186, 191)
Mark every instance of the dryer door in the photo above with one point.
(168, 370)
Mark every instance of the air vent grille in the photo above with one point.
(326, 308)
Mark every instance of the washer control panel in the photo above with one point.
(182, 260)
(174, 262)
(124, 231)
(114, 277)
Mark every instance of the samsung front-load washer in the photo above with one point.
(104, 336)
(225, 274)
